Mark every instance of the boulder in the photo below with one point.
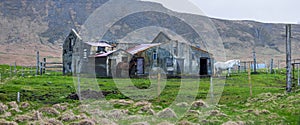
(142, 103)
(4, 122)
(182, 104)
(167, 113)
(60, 107)
(117, 114)
(49, 110)
(230, 123)
(13, 104)
(53, 121)
(199, 104)
(3, 107)
(25, 105)
(140, 123)
(122, 102)
(67, 116)
(22, 118)
(37, 115)
(86, 122)
(185, 123)
(104, 121)
(165, 123)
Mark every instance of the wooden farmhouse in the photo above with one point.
(135, 60)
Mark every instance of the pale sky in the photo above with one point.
(269, 11)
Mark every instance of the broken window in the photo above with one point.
(101, 49)
(169, 62)
(193, 56)
(124, 59)
(154, 55)
(70, 44)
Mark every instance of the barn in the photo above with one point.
(176, 58)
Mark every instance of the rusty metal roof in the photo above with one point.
(99, 44)
(141, 48)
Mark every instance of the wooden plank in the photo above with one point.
(54, 67)
(54, 63)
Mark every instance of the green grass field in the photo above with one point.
(269, 103)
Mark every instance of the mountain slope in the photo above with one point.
(28, 26)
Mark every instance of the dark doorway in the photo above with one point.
(100, 67)
(140, 66)
(180, 66)
(111, 67)
(203, 66)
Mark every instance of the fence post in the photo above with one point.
(293, 71)
(44, 66)
(298, 75)
(79, 89)
(18, 97)
(41, 68)
(245, 66)
(15, 69)
(158, 85)
(254, 61)
(10, 73)
(288, 59)
(37, 62)
(22, 71)
(249, 78)
(271, 66)
(30, 70)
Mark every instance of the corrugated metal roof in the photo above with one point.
(105, 54)
(140, 48)
(99, 44)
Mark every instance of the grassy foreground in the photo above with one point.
(53, 97)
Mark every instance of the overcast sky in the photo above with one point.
(270, 11)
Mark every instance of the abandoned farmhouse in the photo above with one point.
(175, 58)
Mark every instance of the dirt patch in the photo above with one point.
(90, 94)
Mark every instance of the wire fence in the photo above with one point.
(13, 70)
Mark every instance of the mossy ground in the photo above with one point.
(269, 104)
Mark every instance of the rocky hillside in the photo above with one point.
(28, 26)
